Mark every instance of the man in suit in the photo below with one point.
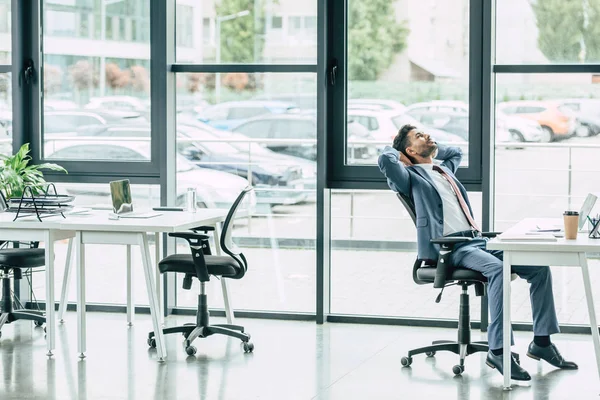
(417, 167)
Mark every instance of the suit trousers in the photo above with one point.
(474, 255)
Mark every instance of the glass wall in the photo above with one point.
(373, 251)
(400, 72)
(6, 113)
(252, 31)
(96, 79)
(544, 175)
(5, 78)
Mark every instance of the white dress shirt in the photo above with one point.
(454, 217)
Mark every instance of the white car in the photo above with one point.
(213, 188)
(384, 105)
(520, 129)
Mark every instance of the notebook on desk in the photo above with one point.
(527, 237)
(120, 193)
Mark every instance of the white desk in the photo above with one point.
(561, 253)
(96, 228)
(47, 231)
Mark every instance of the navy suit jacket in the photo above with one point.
(415, 183)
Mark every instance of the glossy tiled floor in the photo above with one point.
(292, 360)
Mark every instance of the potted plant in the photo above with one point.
(16, 173)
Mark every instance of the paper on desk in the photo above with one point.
(527, 237)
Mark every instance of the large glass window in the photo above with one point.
(5, 114)
(96, 78)
(255, 132)
(552, 122)
(547, 32)
(250, 31)
(401, 72)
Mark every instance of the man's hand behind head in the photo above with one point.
(404, 160)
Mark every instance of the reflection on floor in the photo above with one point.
(292, 360)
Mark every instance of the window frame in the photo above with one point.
(347, 176)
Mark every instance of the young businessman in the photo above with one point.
(417, 167)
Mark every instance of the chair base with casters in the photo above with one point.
(463, 346)
(202, 328)
(16, 260)
(201, 264)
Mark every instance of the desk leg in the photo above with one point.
(130, 305)
(506, 319)
(226, 294)
(65, 285)
(158, 278)
(591, 310)
(50, 321)
(152, 298)
(81, 318)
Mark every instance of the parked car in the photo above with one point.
(304, 101)
(80, 121)
(385, 105)
(213, 188)
(250, 147)
(384, 125)
(267, 175)
(126, 103)
(229, 114)
(520, 129)
(587, 113)
(556, 124)
(298, 126)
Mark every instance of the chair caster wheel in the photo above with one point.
(406, 361)
(152, 342)
(248, 347)
(430, 353)
(191, 350)
(458, 369)
(38, 323)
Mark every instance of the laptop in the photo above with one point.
(120, 193)
(586, 209)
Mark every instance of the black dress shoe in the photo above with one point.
(551, 355)
(516, 371)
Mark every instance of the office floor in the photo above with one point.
(292, 360)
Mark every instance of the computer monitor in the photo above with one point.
(586, 209)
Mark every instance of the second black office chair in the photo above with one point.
(201, 264)
(441, 274)
(12, 263)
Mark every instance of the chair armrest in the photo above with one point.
(198, 243)
(450, 241)
(204, 229)
(443, 266)
(490, 234)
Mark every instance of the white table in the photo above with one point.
(560, 253)
(48, 231)
(97, 228)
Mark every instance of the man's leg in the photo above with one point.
(473, 256)
(541, 296)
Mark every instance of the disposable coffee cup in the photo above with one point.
(571, 219)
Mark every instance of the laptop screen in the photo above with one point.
(120, 192)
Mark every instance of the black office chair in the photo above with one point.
(12, 263)
(441, 273)
(201, 264)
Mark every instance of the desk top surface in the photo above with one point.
(168, 221)
(582, 244)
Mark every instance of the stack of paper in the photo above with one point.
(527, 237)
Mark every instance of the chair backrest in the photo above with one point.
(227, 243)
(410, 208)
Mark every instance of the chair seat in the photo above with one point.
(216, 265)
(22, 258)
(427, 274)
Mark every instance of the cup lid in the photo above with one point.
(571, 213)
